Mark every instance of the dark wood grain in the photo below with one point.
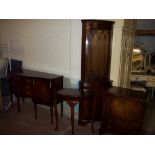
(73, 96)
(122, 111)
(95, 63)
(39, 86)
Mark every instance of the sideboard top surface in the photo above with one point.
(37, 74)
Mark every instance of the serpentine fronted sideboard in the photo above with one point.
(39, 86)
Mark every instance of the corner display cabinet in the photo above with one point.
(95, 64)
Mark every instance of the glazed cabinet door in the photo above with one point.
(96, 49)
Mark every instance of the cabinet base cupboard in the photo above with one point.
(123, 111)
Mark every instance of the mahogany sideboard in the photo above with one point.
(39, 86)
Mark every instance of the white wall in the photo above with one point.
(116, 51)
(54, 46)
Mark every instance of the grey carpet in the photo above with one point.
(14, 123)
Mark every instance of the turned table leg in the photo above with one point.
(72, 97)
(51, 110)
(72, 105)
(18, 104)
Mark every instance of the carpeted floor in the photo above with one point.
(14, 123)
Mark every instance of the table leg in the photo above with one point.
(61, 109)
(56, 114)
(18, 104)
(72, 105)
(35, 111)
(51, 110)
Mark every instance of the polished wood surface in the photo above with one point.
(72, 97)
(96, 49)
(71, 93)
(95, 62)
(122, 111)
(86, 108)
(39, 86)
(36, 74)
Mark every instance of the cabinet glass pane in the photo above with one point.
(97, 51)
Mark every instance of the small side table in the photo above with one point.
(72, 97)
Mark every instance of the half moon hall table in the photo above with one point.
(72, 97)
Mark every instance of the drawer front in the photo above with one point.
(25, 87)
(42, 91)
(138, 78)
(150, 84)
(151, 78)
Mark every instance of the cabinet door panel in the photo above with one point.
(98, 53)
(25, 87)
(96, 49)
(42, 92)
(122, 114)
